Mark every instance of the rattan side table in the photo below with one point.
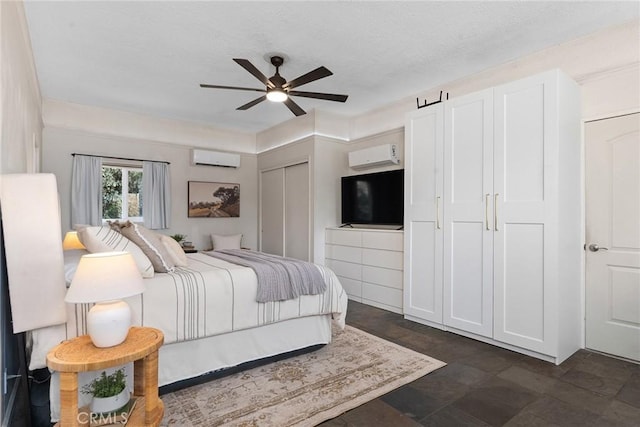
(80, 355)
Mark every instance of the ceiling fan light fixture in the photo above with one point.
(277, 95)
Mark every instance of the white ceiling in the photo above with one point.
(149, 57)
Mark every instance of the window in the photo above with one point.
(121, 193)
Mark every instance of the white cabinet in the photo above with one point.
(368, 263)
(468, 197)
(499, 218)
(423, 231)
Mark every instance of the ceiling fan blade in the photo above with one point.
(252, 103)
(244, 63)
(311, 76)
(295, 108)
(317, 95)
(232, 87)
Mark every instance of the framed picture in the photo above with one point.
(213, 200)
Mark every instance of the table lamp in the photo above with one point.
(71, 241)
(104, 278)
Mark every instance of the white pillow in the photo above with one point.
(104, 239)
(174, 249)
(71, 260)
(226, 242)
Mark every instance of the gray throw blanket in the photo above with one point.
(279, 278)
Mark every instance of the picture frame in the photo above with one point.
(213, 199)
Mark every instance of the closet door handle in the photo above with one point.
(438, 212)
(486, 211)
(495, 212)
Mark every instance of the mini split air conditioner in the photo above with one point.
(215, 158)
(379, 155)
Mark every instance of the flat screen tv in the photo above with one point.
(373, 198)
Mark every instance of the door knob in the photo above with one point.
(595, 248)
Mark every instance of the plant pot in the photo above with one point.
(102, 405)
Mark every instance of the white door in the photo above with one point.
(524, 154)
(272, 212)
(613, 236)
(468, 210)
(296, 211)
(423, 220)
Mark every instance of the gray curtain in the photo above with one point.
(86, 190)
(156, 195)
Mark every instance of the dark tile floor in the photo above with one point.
(483, 385)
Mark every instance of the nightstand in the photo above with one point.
(80, 355)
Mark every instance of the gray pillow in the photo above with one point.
(150, 245)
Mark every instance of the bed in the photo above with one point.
(211, 320)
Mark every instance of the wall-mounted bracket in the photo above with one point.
(430, 103)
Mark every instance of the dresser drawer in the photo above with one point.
(343, 253)
(353, 288)
(382, 276)
(344, 237)
(388, 240)
(382, 294)
(345, 269)
(381, 258)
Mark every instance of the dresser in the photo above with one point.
(369, 264)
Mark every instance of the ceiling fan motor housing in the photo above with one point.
(279, 89)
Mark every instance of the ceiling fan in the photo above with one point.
(280, 90)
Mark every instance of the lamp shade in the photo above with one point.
(105, 276)
(71, 241)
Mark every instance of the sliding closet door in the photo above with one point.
(296, 211)
(284, 206)
(272, 211)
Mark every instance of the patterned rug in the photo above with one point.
(304, 390)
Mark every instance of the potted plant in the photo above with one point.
(178, 237)
(109, 392)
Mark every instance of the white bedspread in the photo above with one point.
(209, 297)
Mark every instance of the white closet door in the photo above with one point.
(423, 220)
(525, 181)
(468, 211)
(296, 211)
(272, 212)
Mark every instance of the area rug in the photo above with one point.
(305, 390)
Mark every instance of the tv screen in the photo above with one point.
(374, 198)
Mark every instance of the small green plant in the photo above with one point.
(106, 385)
(178, 237)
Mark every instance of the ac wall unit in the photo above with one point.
(215, 158)
(379, 155)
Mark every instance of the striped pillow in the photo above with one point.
(150, 245)
(104, 239)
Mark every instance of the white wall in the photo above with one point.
(59, 144)
(138, 126)
(21, 115)
(605, 64)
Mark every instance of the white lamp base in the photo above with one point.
(108, 323)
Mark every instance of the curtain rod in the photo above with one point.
(119, 158)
